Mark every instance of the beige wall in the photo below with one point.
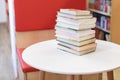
(27, 38)
(115, 21)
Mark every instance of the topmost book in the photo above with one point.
(75, 12)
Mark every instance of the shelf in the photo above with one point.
(107, 31)
(100, 12)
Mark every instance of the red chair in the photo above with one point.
(26, 68)
(27, 38)
(35, 20)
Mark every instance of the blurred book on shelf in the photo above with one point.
(91, 4)
(97, 4)
(107, 37)
(101, 9)
(103, 22)
(101, 35)
(101, 5)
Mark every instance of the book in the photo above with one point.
(76, 43)
(76, 52)
(76, 22)
(75, 38)
(59, 14)
(101, 35)
(75, 11)
(75, 27)
(78, 48)
(103, 22)
(107, 37)
(75, 34)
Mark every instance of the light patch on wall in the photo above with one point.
(3, 15)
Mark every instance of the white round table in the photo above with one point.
(45, 56)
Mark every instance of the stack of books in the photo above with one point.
(74, 32)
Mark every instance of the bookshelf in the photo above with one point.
(107, 31)
(101, 9)
(100, 12)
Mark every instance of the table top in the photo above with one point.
(45, 56)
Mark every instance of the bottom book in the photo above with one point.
(76, 52)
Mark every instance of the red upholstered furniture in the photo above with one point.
(35, 20)
(25, 39)
(25, 67)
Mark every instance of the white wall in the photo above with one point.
(3, 16)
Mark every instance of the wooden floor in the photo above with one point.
(6, 72)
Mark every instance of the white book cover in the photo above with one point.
(77, 22)
(73, 33)
(75, 27)
(59, 14)
(75, 11)
(58, 28)
(76, 38)
(76, 43)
